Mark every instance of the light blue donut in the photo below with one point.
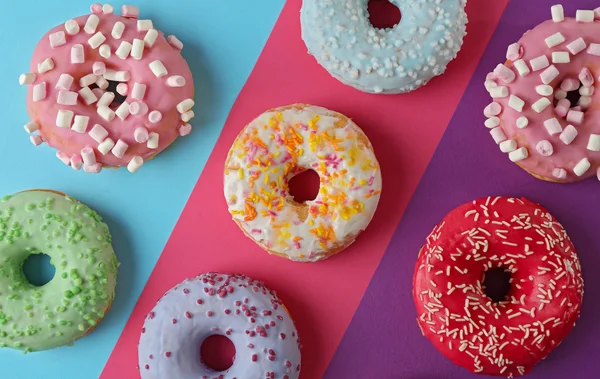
(389, 61)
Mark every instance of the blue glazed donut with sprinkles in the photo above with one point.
(235, 306)
(394, 60)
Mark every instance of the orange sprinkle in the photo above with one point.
(250, 213)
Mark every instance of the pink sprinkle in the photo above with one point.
(209, 313)
(122, 89)
(76, 162)
(186, 291)
(188, 315)
(199, 301)
(175, 42)
(586, 77)
(151, 315)
(130, 11)
(57, 39)
(254, 357)
(36, 140)
(155, 117)
(96, 8)
(185, 129)
(282, 336)
(168, 354)
(93, 169)
(67, 98)
(98, 68)
(174, 321)
(371, 180)
(514, 52)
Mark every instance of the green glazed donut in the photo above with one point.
(79, 245)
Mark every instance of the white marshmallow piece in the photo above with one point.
(108, 9)
(98, 92)
(130, 11)
(72, 27)
(57, 39)
(88, 156)
(120, 149)
(560, 57)
(522, 67)
(539, 63)
(570, 84)
(545, 148)
(492, 109)
(28, 78)
(514, 102)
(98, 133)
(87, 95)
(594, 49)
(514, 52)
(541, 104)
(587, 91)
(135, 163)
(152, 141)
(117, 76)
(80, 124)
(96, 40)
(122, 89)
(64, 118)
(91, 24)
(106, 113)
(106, 99)
(560, 94)
(150, 37)
(31, 127)
(498, 135)
(154, 117)
(144, 25)
(568, 135)
(123, 50)
(549, 74)
(138, 91)
(36, 140)
(544, 90)
(553, 127)
(175, 42)
(77, 54)
(489, 84)
(66, 98)
(522, 122)
(105, 146)
(582, 167)
(45, 66)
(137, 49)
(554, 40)
(558, 13)
(39, 92)
(158, 69)
(584, 16)
(98, 69)
(101, 82)
(104, 51)
(88, 80)
(117, 30)
(176, 81)
(576, 117)
(508, 146)
(559, 173)
(490, 123)
(187, 116)
(140, 134)
(187, 104)
(594, 142)
(123, 111)
(577, 46)
(518, 155)
(584, 102)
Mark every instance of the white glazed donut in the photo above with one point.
(389, 61)
(235, 306)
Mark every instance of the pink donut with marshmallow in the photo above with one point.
(545, 112)
(108, 90)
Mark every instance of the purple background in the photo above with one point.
(383, 340)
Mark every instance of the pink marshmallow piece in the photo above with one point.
(99, 68)
(77, 54)
(514, 52)
(545, 148)
(36, 140)
(67, 98)
(39, 91)
(570, 84)
(574, 116)
(88, 156)
(130, 11)
(549, 74)
(559, 173)
(76, 162)
(586, 77)
(568, 135)
(175, 42)
(96, 8)
(122, 89)
(493, 109)
(135, 108)
(562, 107)
(155, 117)
(64, 82)
(57, 39)
(140, 134)
(504, 73)
(64, 157)
(185, 129)
(92, 169)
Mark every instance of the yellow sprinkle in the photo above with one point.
(241, 174)
(301, 152)
(362, 182)
(311, 222)
(266, 178)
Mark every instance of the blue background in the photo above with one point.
(222, 40)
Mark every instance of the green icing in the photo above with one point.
(79, 245)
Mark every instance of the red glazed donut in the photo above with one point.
(108, 90)
(505, 338)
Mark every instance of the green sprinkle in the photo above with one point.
(81, 327)
(64, 274)
(68, 294)
(52, 326)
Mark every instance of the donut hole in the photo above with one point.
(38, 269)
(119, 99)
(573, 97)
(383, 14)
(217, 353)
(496, 284)
(304, 186)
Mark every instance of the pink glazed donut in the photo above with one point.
(545, 112)
(108, 90)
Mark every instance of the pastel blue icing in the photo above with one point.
(389, 61)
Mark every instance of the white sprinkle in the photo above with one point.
(123, 111)
(594, 49)
(117, 30)
(577, 46)
(185, 105)
(549, 74)
(117, 76)
(98, 133)
(498, 135)
(560, 94)
(91, 24)
(57, 39)
(187, 116)
(513, 315)
(178, 81)
(518, 154)
(39, 92)
(522, 122)
(106, 99)
(107, 9)
(88, 80)
(516, 103)
(568, 135)
(66, 98)
(554, 40)
(582, 167)
(175, 42)
(64, 118)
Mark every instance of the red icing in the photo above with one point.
(541, 307)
